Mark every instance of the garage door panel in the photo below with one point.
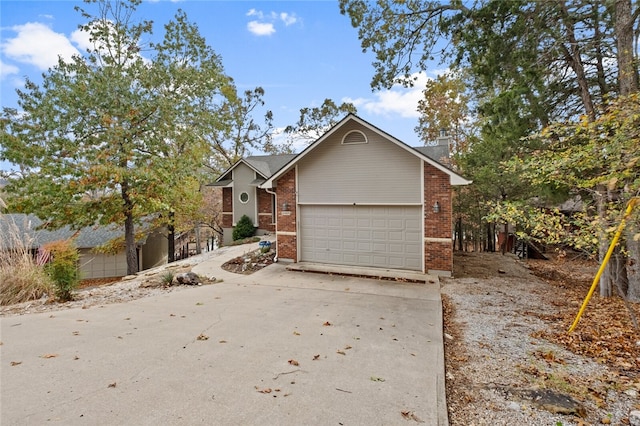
(375, 236)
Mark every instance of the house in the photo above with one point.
(152, 248)
(241, 194)
(357, 196)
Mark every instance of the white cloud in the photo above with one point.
(288, 19)
(38, 45)
(265, 23)
(261, 28)
(81, 39)
(7, 70)
(398, 100)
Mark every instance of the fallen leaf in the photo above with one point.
(49, 356)
(112, 385)
(295, 333)
(199, 304)
(410, 415)
(202, 336)
(265, 390)
(127, 319)
(347, 347)
(172, 315)
(14, 363)
(326, 324)
(76, 333)
(341, 352)
(376, 379)
(316, 357)
(75, 358)
(293, 362)
(222, 341)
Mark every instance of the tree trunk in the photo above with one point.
(198, 248)
(171, 255)
(627, 70)
(574, 59)
(628, 84)
(605, 279)
(633, 262)
(129, 232)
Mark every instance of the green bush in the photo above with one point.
(63, 268)
(244, 228)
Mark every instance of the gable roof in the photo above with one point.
(455, 178)
(264, 165)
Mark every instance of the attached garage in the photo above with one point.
(359, 197)
(378, 236)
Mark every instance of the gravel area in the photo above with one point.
(497, 374)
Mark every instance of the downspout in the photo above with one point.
(275, 259)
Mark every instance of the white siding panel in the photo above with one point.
(370, 236)
(377, 172)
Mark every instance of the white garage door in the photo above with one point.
(372, 236)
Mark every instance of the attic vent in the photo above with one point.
(354, 136)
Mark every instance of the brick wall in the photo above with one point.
(286, 233)
(265, 218)
(438, 246)
(227, 207)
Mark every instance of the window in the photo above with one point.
(244, 197)
(353, 137)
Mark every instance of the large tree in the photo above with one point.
(113, 135)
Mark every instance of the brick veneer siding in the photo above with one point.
(227, 207)
(438, 246)
(286, 238)
(265, 218)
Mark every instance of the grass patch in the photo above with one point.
(21, 278)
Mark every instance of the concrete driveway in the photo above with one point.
(272, 348)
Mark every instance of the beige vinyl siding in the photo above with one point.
(242, 176)
(377, 172)
(99, 265)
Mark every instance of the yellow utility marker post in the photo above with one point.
(616, 237)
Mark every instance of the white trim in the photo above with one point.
(297, 206)
(422, 217)
(248, 197)
(288, 233)
(264, 214)
(354, 143)
(315, 203)
(437, 240)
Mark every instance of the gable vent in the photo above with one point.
(354, 136)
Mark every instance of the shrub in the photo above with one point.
(21, 278)
(244, 228)
(167, 278)
(63, 268)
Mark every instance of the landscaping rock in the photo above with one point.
(186, 278)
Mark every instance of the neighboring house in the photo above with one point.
(152, 250)
(357, 196)
(241, 194)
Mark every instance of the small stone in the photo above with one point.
(514, 406)
(129, 277)
(448, 336)
(634, 418)
(631, 392)
(606, 421)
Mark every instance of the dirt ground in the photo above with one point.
(506, 323)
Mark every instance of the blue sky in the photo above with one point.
(300, 52)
